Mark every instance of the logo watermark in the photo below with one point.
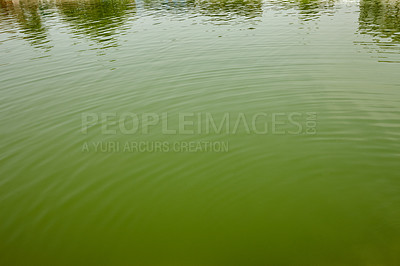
(293, 123)
(201, 125)
(155, 146)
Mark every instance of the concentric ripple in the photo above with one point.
(320, 187)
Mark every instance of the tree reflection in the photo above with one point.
(29, 16)
(217, 9)
(229, 8)
(179, 6)
(381, 19)
(307, 9)
(311, 8)
(103, 20)
(100, 20)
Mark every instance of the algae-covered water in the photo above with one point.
(199, 132)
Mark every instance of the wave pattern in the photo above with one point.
(287, 199)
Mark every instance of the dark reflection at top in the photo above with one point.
(231, 8)
(103, 20)
(29, 16)
(98, 19)
(305, 9)
(381, 19)
(174, 6)
(217, 9)
(310, 9)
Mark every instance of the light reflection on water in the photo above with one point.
(104, 21)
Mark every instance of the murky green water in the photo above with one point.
(86, 87)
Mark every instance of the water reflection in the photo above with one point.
(228, 9)
(305, 9)
(381, 20)
(159, 6)
(28, 16)
(310, 9)
(102, 21)
(218, 10)
(98, 19)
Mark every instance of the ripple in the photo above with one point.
(268, 196)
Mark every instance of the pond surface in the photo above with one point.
(306, 172)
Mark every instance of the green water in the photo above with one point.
(320, 186)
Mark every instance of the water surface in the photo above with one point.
(326, 198)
